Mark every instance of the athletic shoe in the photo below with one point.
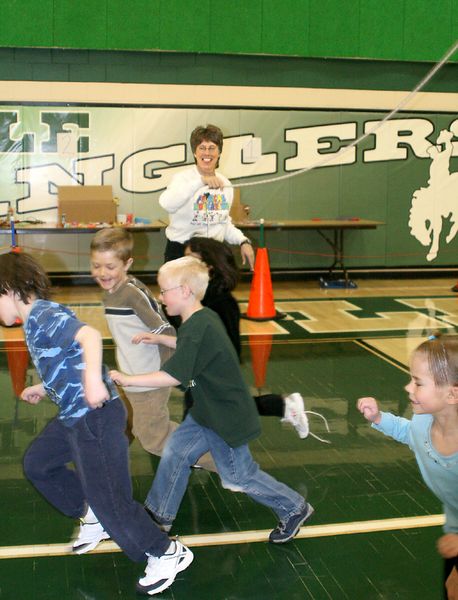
(286, 530)
(455, 288)
(295, 414)
(161, 571)
(91, 533)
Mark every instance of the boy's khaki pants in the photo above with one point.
(151, 423)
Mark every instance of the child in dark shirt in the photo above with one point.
(223, 417)
(224, 275)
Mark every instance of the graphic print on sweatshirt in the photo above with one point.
(210, 207)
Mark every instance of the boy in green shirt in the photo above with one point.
(223, 418)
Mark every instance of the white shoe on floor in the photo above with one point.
(90, 534)
(161, 571)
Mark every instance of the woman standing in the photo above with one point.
(199, 199)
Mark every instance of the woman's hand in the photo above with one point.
(247, 252)
(213, 181)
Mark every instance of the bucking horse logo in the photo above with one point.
(439, 201)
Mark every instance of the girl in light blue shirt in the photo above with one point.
(432, 434)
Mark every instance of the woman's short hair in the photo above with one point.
(211, 133)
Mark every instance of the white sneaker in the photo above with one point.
(161, 571)
(295, 414)
(90, 534)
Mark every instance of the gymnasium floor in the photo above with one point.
(373, 534)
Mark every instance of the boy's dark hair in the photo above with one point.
(21, 274)
(219, 258)
(211, 133)
(114, 239)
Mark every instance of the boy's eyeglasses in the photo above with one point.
(170, 289)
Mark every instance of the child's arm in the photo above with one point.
(156, 379)
(396, 427)
(369, 408)
(155, 338)
(94, 388)
(33, 393)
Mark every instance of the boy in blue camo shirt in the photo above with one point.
(88, 431)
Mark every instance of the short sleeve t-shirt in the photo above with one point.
(205, 362)
(50, 332)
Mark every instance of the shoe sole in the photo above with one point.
(147, 589)
(87, 547)
(307, 517)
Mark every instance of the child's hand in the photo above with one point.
(33, 394)
(146, 338)
(95, 391)
(119, 378)
(447, 545)
(369, 408)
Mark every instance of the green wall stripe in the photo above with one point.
(159, 67)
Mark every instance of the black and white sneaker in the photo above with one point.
(286, 530)
(161, 571)
(90, 534)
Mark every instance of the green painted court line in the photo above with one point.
(240, 537)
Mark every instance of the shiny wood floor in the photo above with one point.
(374, 531)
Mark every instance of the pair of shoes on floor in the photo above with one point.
(296, 414)
(161, 571)
(286, 530)
(90, 533)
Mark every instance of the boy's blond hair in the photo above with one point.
(114, 239)
(189, 271)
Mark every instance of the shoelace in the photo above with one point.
(311, 412)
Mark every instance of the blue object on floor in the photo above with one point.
(337, 283)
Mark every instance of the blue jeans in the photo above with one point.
(98, 448)
(236, 468)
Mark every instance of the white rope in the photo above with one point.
(342, 151)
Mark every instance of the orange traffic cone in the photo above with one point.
(18, 360)
(260, 349)
(261, 305)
